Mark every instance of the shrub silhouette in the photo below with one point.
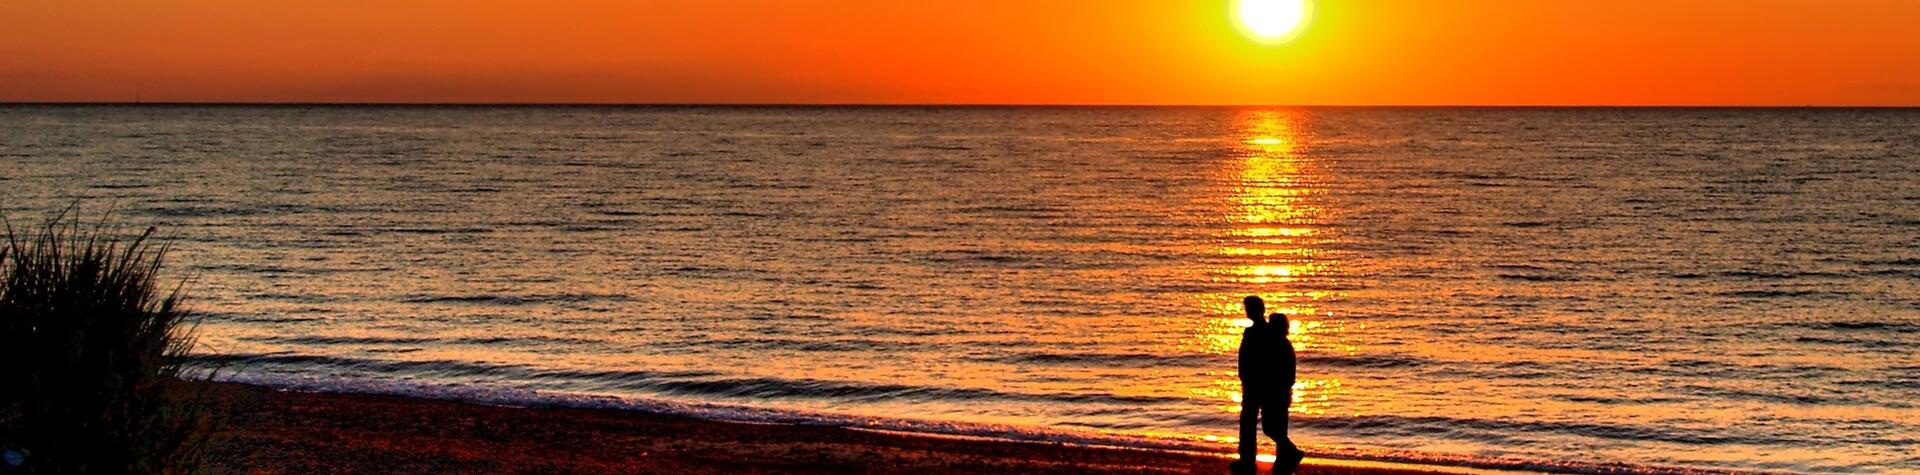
(92, 355)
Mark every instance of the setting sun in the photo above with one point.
(1272, 21)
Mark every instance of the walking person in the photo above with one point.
(1267, 366)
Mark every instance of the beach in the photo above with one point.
(264, 430)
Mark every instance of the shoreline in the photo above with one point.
(267, 430)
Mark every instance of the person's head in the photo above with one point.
(1281, 320)
(1256, 309)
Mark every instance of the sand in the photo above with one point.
(268, 431)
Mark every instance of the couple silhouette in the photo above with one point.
(1266, 388)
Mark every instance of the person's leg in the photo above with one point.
(1287, 456)
(1249, 434)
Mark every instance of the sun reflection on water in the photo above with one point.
(1273, 244)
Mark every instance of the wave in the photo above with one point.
(845, 345)
(268, 318)
(348, 340)
(1417, 426)
(681, 383)
(198, 211)
(432, 230)
(1858, 326)
(1850, 341)
(737, 413)
(1865, 325)
(276, 269)
(495, 341)
(1390, 427)
(1112, 360)
(1783, 294)
(783, 388)
(515, 341)
(1765, 275)
(1798, 396)
(1907, 262)
(1360, 361)
(1197, 360)
(1753, 275)
(937, 147)
(513, 300)
(1539, 277)
(245, 363)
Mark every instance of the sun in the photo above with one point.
(1272, 21)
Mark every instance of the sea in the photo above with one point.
(1579, 290)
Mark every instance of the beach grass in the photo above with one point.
(93, 343)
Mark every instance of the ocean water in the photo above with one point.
(1560, 289)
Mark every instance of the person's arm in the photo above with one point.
(1292, 365)
(1246, 337)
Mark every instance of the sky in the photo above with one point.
(1352, 52)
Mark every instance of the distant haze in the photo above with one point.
(1414, 52)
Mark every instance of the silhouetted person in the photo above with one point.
(1266, 382)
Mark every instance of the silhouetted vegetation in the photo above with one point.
(93, 351)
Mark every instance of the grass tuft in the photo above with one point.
(91, 347)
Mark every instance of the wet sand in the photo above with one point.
(268, 431)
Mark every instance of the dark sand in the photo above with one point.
(268, 431)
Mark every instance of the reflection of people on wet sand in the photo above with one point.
(1266, 382)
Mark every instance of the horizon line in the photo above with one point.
(951, 104)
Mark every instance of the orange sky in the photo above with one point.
(1359, 52)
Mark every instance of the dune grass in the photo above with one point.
(92, 349)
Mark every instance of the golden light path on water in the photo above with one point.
(1275, 241)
